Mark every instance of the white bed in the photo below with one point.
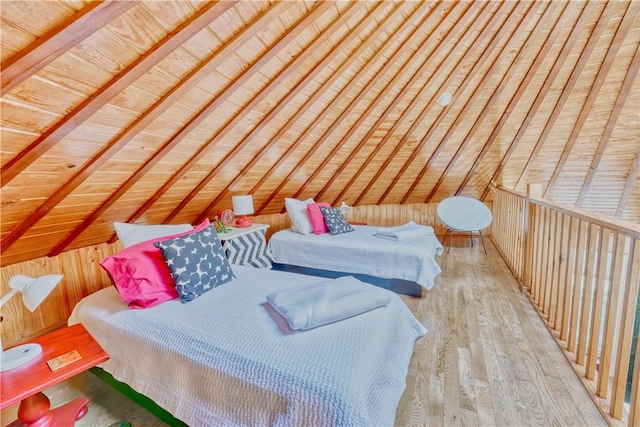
(224, 359)
(360, 252)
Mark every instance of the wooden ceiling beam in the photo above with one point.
(312, 126)
(58, 40)
(542, 91)
(440, 45)
(173, 40)
(230, 89)
(195, 76)
(621, 33)
(513, 68)
(350, 36)
(621, 99)
(499, 16)
(487, 52)
(628, 187)
(528, 16)
(338, 73)
(118, 142)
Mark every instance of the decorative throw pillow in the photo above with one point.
(316, 218)
(297, 210)
(140, 274)
(197, 263)
(335, 221)
(131, 234)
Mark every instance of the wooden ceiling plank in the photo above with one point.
(441, 44)
(628, 187)
(502, 84)
(567, 90)
(452, 74)
(284, 40)
(257, 98)
(621, 99)
(513, 67)
(174, 39)
(390, 63)
(208, 65)
(353, 82)
(487, 76)
(557, 66)
(58, 40)
(621, 33)
(110, 149)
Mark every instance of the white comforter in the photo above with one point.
(226, 359)
(360, 252)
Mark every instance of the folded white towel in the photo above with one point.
(408, 231)
(309, 306)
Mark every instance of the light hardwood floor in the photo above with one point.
(486, 360)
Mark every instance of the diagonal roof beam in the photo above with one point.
(633, 176)
(528, 16)
(353, 82)
(351, 35)
(228, 91)
(58, 40)
(174, 39)
(111, 148)
(513, 67)
(389, 64)
(542, 91)
(440, 45)
(206, 67)
(624, 27)
(623, 95)
(486, 53)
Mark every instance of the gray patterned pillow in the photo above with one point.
(335, 221)
(197, 262)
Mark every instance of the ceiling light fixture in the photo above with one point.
(445, 99)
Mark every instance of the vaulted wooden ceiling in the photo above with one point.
(158, 111)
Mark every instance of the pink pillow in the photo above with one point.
(140, 273)
(316, 218)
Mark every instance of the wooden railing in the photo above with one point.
(582, 273)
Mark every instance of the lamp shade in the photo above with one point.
(242, 205)
(34, 291)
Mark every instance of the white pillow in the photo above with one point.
(130, 234)
(297, 210)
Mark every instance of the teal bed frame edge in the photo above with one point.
(138, 398)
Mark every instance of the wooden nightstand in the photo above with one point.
(26, 383)
(247, 246)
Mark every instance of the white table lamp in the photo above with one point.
(243, 205)
(33, 291)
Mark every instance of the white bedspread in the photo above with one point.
(222, 359)
(360, 252)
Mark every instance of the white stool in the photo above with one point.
(463, 214)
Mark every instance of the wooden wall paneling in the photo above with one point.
(227, 92)
(369, 63)
(58, 40)
(631, 181)
(301, 138)
(525, 18)
(429, 165)
(621, 33)
(538, 32)
(147, 118)
(132, 72)
(544, 88)
(623, 95)
(470, 14)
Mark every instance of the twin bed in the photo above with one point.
(230, 356)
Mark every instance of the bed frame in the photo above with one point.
(399, 286)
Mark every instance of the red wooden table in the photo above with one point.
(26, 383)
